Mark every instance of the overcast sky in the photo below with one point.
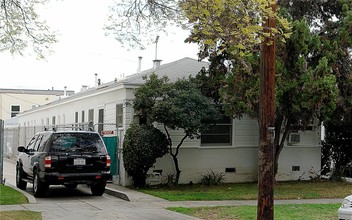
(83, 50)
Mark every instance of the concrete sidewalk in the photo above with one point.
(139, 197)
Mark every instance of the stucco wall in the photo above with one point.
(25, 101)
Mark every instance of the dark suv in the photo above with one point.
(64, 158)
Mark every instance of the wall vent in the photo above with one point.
(296, 168)
(230, 170)
(294, 138)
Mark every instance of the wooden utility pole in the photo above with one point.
(267, 121)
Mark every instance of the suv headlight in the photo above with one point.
(346, 203)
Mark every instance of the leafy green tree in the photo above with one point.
(21, 27)
(142, 145)
(332, 22)
(337, 148)
(178, 106)
(305, 90)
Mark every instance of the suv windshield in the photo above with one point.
(77, 142)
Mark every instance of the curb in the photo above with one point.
(116, 193)
(31, 199)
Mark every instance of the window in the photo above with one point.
(218, 134)
(100, 120)
(82, 116)
(91, 116)
(76, 117)
(15, 109)
(53, 120)
(119, 115)
(294, 138)
(44, 139)
(36, 146)
(73, 142)
(31, 144)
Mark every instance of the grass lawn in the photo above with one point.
(20, 215)
(9, 196)
(297, 212)
(249, 191)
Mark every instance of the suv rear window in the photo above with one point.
(77, 142)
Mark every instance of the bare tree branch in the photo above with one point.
(138, 22)
(21, 28)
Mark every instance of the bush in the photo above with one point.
(211, 178)
(143, 144)
(337, 148)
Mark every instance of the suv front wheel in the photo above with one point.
(39, 188)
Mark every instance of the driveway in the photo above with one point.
(77, 204)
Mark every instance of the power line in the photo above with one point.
(21, 99)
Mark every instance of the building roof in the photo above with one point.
(178, 69)
(36, 92)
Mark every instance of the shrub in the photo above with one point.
(336, 148)
(143, 144)
(211, 178)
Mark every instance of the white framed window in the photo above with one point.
(218, 134)
(76, 117)
(15, 109)
(83, 116)
(119, 115)
(294, 138)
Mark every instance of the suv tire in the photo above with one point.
(98, 189)
(39, 188)
(19, 175)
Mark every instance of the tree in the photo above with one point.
(20, 27)
(332, 21)
(143, 144)
(136, 22)
(218, 25)
(337, 148)
(305, 90)
(178, 105)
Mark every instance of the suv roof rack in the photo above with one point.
(70, 127)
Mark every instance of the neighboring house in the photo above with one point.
(233, 150)
(15, 101)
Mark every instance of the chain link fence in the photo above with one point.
(15, 136)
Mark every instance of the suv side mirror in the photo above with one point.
(22, 149)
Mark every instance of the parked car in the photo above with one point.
(64, 158)
(345, 211)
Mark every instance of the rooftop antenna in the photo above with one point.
(156, 47)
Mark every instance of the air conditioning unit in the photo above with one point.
(294, 138)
